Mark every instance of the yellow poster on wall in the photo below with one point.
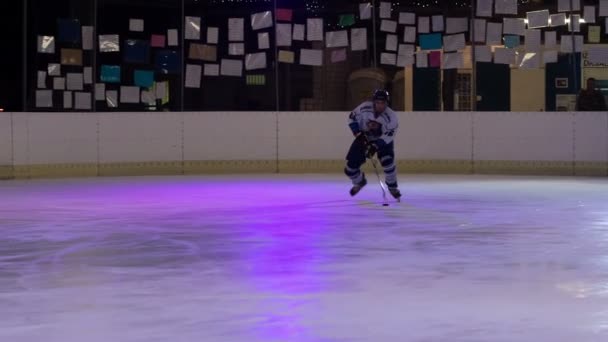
(594, 34)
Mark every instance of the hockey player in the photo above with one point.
(374, 125)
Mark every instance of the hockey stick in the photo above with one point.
(385, 203)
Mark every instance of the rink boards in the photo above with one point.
(104, 144)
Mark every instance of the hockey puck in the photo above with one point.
(385, 204)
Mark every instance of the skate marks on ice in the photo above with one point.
(244, 259)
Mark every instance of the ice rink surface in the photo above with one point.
(294, 258)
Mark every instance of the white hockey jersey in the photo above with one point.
(378, 128)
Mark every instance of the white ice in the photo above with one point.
(294, 258)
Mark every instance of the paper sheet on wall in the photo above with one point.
(172, 37)
(68, 31)
(54, 69)
(571, 44)
(391, 42)
(212, 70)
(284, 35)
(388, 26)
(530, 60)
(435, 59)
(338, 55)
(514, 26)
(388, 58)
(203, 52)
(236, 29)
(358, 37)
(100, 91)
(263, 41)
(575, 23)
(148, 97)
(213, 35)
(287, 56)
(550, 39)
(457, 25)
(193, 32)
(231, 67)
(314, 29)
(484, 8)
(365, 11)
(405, 60)
(424, 25)
(550, 56)
(88, 75)
(480, 30)
(87, 37)
(193, 75)
(346, 20)
(407, 18)
(454, 42)
(593, 34)
(44, 98)
(505, 56)
(505, 7)
(406, 49)
(533, 40)
(422, 59)
(158, 41)
(129, 94)
(430, 41)
(557, 19)
(483, 53)
(453, 60)
(603, 8)
(298, 32)
(409, 34)
(236, 49)
(109, 43)
(82, 100)
(564, 5)
(58, 83)
(162, 92)
(261, 20)
(46, 44)
(136, 25)
(67, 100)
(311, 57)
(589, 14)
(438, 23)
(71, 57)
(209, 52)
(385, 10)
(112, 98)
(511, 41)
(284, 14)
(494, 34)
(255, 61)
(598, 55)
(538, 19)
(75, 81)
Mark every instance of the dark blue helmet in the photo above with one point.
(381, 95)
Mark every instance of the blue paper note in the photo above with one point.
(511, 41)
(168, 62)
(144, 78)
(431, 41)
(136, 51)
(68, 31)
(110, 73)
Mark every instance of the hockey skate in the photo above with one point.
(395, 193)
(357, 187)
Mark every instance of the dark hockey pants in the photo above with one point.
(356, 158)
